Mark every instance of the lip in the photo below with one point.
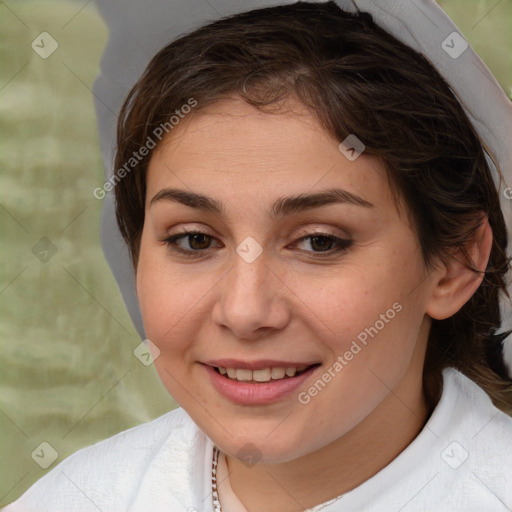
(261, 393)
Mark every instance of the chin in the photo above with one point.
(259, 449)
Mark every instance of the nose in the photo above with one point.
(252, 300)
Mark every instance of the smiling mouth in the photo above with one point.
(263, 375)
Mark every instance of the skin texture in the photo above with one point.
(291, 303)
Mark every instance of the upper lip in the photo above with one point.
(256, 365)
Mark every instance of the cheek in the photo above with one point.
(167, 310)
(350, 300)
(160, 294)
(175, 303)
(169, 305)
(373, 311)
(371, 341)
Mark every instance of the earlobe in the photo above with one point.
(457, 283)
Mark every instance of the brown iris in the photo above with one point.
(199, 241)
(321, 243)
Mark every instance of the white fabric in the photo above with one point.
(165, 466)
(136, 33)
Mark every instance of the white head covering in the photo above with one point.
(137, 33)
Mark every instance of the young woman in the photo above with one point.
(320, 254)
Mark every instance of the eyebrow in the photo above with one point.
(281, 208)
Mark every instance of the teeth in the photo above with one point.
(278, 373)
(244, 374)
(263, 375)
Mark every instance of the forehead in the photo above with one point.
(232, 130)
(233, 147)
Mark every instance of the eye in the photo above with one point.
(189, 242)
(196, 243)
(322, 243)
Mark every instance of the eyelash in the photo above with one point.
(342, 244)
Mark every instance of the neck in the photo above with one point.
(341, 466)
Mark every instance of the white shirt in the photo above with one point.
(460, 461)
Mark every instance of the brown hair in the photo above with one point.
(356, 79)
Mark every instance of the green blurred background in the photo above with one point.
(68, 373)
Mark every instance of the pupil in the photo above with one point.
(199, 241)
(321, 243)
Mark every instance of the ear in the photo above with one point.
(456, 284)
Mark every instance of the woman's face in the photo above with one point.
(298, 308)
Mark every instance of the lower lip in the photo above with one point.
(260, 393)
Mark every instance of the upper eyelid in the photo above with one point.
(302, 229)
(306, 234)
(184, 234)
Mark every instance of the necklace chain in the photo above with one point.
(215, 493)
